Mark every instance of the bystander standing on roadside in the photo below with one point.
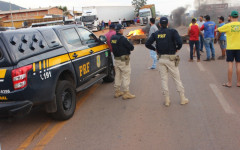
(153, 53)
(200, 22)
(221, 38)
(119, 21)
(124, 23)
(232, 31)
(109, 23)
(135, 21)
(109, 35)
(102, 25)
(194, 32)
(209, 33)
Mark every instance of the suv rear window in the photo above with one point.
(1, 55)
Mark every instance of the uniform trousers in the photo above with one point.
(122, 75)
(167, 66)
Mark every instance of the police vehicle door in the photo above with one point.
(6, 85)
(99, 50)
(79, 54)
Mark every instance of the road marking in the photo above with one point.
(55, 129)
(227, 108)
(200, 66)
(29, 140)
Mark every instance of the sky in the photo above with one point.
(164, 6)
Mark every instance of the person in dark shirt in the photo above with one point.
(168, 42)
(122, 48)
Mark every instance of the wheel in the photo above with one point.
(111, 72)
(65, 100)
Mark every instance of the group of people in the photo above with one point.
(203, 33)
(165, 42)
(227, 35)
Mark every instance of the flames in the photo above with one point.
(135, 32)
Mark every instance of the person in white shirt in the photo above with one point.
(200, 22)
(120, 21)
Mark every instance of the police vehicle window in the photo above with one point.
(1, 54)
(87, 37)
(71, 36)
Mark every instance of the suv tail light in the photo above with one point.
(19, 77)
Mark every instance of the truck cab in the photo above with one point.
(90, 19)
(145, 13)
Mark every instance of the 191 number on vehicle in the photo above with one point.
(46, 75)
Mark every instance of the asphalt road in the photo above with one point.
(209, 122)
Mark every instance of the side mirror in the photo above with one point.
(103, 38)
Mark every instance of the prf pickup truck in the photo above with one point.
(47, 66)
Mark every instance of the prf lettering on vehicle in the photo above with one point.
(84, 69)
(161, 36)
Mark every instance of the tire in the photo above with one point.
(111, 73)
(65, 100)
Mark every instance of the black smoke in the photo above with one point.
(177, 16)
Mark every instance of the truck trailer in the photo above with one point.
(93, 15)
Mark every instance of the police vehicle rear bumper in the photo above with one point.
(15, 108)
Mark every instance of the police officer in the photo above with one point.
(122, 48)
(168, 42)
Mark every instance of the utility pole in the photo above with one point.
(11, 13)
(73, 13)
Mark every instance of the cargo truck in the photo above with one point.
(145, 13)
(93, 15)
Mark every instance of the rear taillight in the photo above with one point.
(19, 77)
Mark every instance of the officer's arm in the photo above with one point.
(128, 44)
(177, 39)
(150, 41)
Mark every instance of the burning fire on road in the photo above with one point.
(137, 36)
(135, 32)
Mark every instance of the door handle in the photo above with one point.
(91, 51)
(75, 55)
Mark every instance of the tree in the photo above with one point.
(65, 10)
(138, 4)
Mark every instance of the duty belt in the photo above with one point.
(174, 58)
(124, 58)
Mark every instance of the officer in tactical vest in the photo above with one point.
(122, 48)
(168, 42)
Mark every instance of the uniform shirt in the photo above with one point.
(209, 29)
(167, 40)
(121, 45)
(194, 33)
(223, 35)
(232, 31)
(109, 36)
